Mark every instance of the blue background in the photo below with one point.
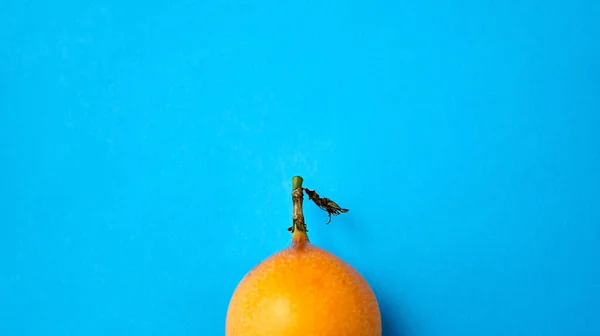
(147, 151)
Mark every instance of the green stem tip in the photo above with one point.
(297, 182)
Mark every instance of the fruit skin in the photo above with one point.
(303, 290)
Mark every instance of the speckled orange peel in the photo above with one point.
(303, 290)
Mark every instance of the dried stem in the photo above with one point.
(298, 228)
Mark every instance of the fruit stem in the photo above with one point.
(298, 225)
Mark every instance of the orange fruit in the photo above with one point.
(303, 290)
